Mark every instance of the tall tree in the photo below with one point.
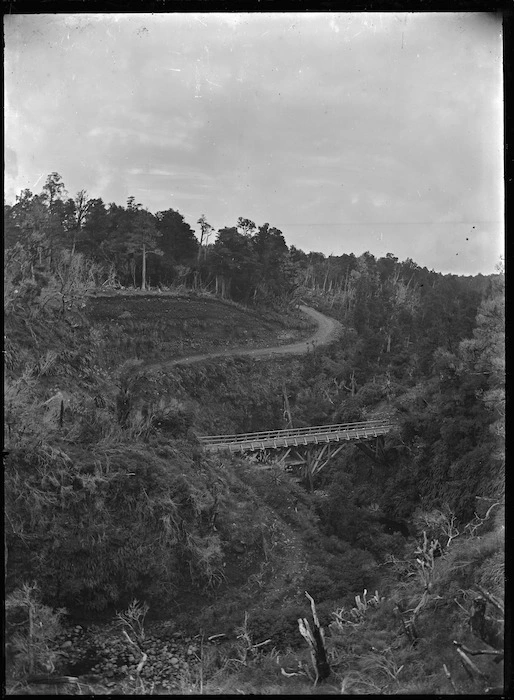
(94, 230)
(82, 205)
(143, 235)
(205, 233)
(178, 243)
(233, 262)
(273, 276)
(54, 188)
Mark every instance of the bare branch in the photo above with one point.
(490, 652)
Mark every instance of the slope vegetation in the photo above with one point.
(327, 330)
(171, 328)
(110, 498)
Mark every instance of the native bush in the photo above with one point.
(97, 530)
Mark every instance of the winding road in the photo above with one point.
(328, 330)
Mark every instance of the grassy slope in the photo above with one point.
(164, 327)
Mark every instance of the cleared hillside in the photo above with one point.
(165, 327)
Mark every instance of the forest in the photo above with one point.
(138, 563)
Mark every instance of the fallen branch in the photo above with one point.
(489, 652)
(213, 637)
(461, 607)
(144, 657)
(50, 680)
(469, 666)
(287, 674)
(260, 644)
(450, 679)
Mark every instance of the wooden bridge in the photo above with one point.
(311, 448)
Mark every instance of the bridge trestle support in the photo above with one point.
(308, 460)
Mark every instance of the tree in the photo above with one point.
(245, 226)
(273, 276)
(82, 205)
(206, 230)
(132, 232)
(484, 356)
(453, 421)
(94, 230)
(233, 261)
(54, 188)
(11, 230)
(45, 221)
(28, 219)
(60, 228)
(143, 235)
(177, 242)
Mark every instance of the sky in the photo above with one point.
(349, 132)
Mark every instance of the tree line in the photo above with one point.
(129, 246)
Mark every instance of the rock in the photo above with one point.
(67, 644)
(174, 660)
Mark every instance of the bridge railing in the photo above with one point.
(381, 424)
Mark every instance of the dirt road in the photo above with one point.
(328, 329)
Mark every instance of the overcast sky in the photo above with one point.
(347, 131)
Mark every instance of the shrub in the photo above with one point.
(31, 628)
(473, 560)
(281, 626)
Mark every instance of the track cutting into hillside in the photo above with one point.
(328, 330)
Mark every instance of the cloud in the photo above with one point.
(367, 118)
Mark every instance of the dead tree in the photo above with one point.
(315, 638)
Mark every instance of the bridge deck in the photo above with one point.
(295, 437)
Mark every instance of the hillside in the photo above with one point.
(110, 499)
(75, 423)
(169, 326)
